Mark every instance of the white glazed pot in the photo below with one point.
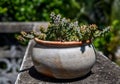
(63, 60)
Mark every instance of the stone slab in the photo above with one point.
(13, 27)
(103, 72)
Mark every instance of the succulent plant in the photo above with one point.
(62, 29)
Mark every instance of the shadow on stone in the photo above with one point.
(24, 70)
(82, 49)
(33, 73)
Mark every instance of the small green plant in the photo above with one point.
(62, 29)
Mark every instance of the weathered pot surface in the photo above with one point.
(63, 60)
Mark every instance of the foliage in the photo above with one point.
(38, 10)
(112, 41)
(62, 29)
(35, 10)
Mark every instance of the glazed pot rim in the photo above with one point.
(61, 44)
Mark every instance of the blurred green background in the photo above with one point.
(100, 12)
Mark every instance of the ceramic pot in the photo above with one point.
(63, 60)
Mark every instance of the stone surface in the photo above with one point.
(10, 61)
(103, 72)
(12, 27)
(10, 53)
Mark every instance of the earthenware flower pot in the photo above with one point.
(63, 60)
